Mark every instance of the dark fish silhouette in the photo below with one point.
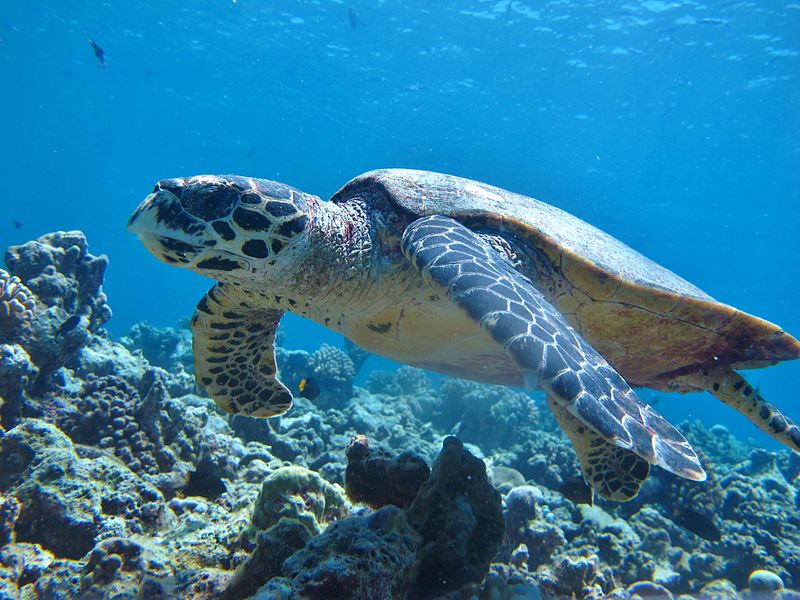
(16, 224)
(352, 18)
(68, 325)
(575, 489)
(205, 484)
(309, 388)
(99, 53)
(696, 522)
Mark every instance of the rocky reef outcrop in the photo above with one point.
(443, 541)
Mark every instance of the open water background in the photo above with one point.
(675, 126)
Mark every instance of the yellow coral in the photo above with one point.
(16, 300)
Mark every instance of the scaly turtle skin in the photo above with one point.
(466, 279)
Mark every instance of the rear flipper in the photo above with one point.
(730, 387)
(615, 473)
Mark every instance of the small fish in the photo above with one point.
(68, 325)
(696, 522)
(10, 27)
(99, 53)
(352, 18)
(16, 224)
(575, 489)
(309, 388)
(205, 484)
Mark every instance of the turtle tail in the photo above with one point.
(730, 387)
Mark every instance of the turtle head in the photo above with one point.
(223, 226)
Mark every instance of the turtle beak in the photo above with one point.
(161, 213)
(135, 223)
(163, 226)
(145, 219)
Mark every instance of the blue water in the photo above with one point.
(673, 125)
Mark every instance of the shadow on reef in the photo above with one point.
(118, 479)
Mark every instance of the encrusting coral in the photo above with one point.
(299, 494)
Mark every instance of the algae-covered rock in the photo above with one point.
(459, 515)
(69, 502)
(762, 580)
(648, 590)
(719, 589)
(506, 582)
(376, 478)
(119, 567)
(361, 558)
(9, 513)
(17, 374)
(273, 547)
(300, 494)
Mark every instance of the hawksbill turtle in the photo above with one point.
(466, 279)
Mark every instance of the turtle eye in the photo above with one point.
(175, 186)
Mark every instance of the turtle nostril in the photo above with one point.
(175, 186)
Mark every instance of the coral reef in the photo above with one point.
(69, 501)
(273, 547)
(56, 275)
(67, 282)
(165, 347)
(117, 480)
(492, 416)
(443, 541)
(331, 368)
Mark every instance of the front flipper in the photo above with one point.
(234, 356)
(613, 472)
(550, 353)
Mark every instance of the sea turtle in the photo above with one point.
(467, 279)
